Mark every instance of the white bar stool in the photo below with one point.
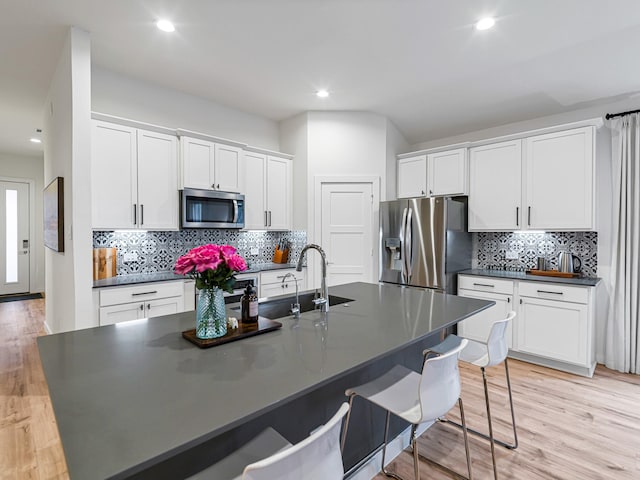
(416, 398)
(486, 354)
(269, 456)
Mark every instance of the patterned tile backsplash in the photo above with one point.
(490, 249)
(158, 251)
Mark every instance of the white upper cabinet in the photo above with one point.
(278, 193)
(114, 182)
(197, 163)
(228, 169)
(267, 184)
(543, 182)
(255, 195)
(495, 187)
(433, 174)
(412, 177)
(157, 181)
(210, 166)
(447, 172)
(560, 180)
(134, 178)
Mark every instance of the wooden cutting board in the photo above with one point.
(553, 273)
(105, 262)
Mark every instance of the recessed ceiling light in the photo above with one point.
(165, 26)
(35, 140)
(322, 93)
(485, 23)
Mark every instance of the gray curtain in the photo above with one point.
(622, 343)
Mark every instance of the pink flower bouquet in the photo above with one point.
(211, 266)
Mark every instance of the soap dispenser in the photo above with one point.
(249, 305)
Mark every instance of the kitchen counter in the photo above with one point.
(120, 280)
(130, 396)
(579, 281)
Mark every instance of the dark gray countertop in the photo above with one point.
(130, 395)
(580, 281)
(120, 280)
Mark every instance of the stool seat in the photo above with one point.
(476, 353)
(265, 444)
(394, 391)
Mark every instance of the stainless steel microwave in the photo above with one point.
(211, 209)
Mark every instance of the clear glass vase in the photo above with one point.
(211, 317)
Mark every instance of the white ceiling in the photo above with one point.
(419, 62)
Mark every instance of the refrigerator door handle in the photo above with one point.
(408, 244)
(403, 245)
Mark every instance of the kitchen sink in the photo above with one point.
(281, 307)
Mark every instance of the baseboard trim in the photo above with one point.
(372, 467)
(584, 371)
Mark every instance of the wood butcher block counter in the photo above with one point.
(134, 397)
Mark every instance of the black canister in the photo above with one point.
(249, 305)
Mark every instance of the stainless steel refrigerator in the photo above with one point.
(424, 242)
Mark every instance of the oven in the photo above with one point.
(242, 281)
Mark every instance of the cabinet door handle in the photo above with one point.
(529, 217)
(141, 214)
(517, 216)
(421, 192)
(148, 306)
(430, 192)
(549, 291)
(484, 285)
(213, 185)
(265, 219)
(508, 299)
(144, 293)
(142, 306)
(218, 186)
(135, 210)
(520, 301)
(269, 218)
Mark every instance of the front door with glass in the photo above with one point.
(14, 237)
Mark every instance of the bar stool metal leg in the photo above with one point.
(466, 449)
(491, 439)
(466, 438)
(384, 450)
(510, 446)
(514, 445)
(346, 423)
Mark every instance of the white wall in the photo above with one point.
(30, 168)
(603, 187)
(336, 144)
(67, 149)
(396, 143)
(127, 97)
(294, 139)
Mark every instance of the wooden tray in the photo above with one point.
(553, 273)
(245, 330)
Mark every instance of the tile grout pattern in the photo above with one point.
(158, 251)
(489, 249)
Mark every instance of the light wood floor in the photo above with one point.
(570, 427)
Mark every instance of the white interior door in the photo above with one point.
(14, 237)
(347, 231)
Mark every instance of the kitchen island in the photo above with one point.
(136, 400)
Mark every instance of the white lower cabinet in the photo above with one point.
(553, 329)
(274, 283)
(478, 327)
(145, 300)
(553, 326)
